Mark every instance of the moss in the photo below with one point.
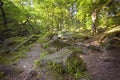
(42, 55)
(74, 66)
(2, 75)
(15, 40)
(76, 50)
(80, 37)
(37, 63)
(60, 44)
(6, 58)
(56, 67)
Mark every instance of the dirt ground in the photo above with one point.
(99, 66)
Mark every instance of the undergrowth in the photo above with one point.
(6, 58)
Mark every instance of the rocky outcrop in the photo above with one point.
(59, 57)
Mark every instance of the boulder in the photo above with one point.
(64, 61)
(58, 43)
(59, 57)
(51, 49)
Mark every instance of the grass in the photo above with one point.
(74, 66)
(42, 55)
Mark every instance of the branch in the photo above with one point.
(18, 46)
(104, 5)
(117, 15)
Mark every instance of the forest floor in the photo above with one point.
(25, 68)
(25, 65)
(98, 67)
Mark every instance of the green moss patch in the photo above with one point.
(6, 58)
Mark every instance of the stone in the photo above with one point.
(59, 57)
(51, 49)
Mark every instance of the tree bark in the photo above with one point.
(94, 15)
(3, 13)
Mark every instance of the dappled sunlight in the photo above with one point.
(81, 56)
(71, 38)
(117, 28)
(24, 66)
(95, 43)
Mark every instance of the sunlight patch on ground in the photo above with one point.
(95, 43)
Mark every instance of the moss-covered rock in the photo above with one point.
(66, 60)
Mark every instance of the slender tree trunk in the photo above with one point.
(3, 13)
(94, 15)
(4, 22)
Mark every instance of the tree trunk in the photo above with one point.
(3, 13)
(94, 15)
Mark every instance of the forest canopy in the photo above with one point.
(27, 17)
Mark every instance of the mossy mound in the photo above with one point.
(66, 60)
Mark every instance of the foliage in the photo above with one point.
(74, 67)
(26, 17)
